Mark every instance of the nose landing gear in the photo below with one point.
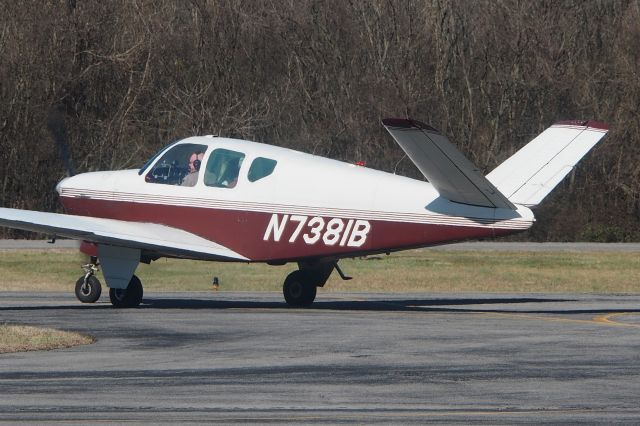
(88, 287)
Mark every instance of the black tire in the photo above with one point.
(89, 293)
(129, 297)
(299, 291)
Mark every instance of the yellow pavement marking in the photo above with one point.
(605, 319)
(599, 320)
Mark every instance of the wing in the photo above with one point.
(160, 239)
(447, 169)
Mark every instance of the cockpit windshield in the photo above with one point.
(152, 159)
(178, 166)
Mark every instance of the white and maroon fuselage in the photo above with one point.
(308, 207)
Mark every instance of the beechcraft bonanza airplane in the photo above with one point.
(251, 202)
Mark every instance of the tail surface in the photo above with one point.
(446, 168)
(529, 175)
(525, 178)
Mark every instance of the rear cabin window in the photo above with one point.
(261, 167)
(175, 166)
(223, 168)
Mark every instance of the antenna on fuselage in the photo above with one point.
(398, 163)
(58, 129)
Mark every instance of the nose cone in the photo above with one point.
(62, 184)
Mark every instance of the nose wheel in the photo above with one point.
(88, 287)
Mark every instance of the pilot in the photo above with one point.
(195, 160)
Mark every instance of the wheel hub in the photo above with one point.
(120, 293)
(296, 290)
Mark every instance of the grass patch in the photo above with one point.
(409, 271)
(21, 338)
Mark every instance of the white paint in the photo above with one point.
(317, 229)
(275, 227)
(308, 197)
(118, 264)
(359, 234)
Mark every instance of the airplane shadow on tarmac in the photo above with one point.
(462, 305)
(338, 305)
(452, 305)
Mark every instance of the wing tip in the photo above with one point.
(599, 125)
(407, 123)
(588, 124)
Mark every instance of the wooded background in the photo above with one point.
(130, 76)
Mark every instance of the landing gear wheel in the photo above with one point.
(129, 297)
(299, 291)
(88, 289)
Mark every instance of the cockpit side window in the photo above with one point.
(261, 167)
(176, 165)
(223, 168)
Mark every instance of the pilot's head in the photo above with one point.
(194, 161)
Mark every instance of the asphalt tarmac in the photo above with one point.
(352, 358)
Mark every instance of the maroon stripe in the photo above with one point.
(597, 125)
(243, 231)
(407, 123)
(578, 123)
(584, 123)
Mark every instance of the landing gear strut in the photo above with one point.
(129, 297)
(88, 287)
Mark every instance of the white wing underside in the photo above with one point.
(160, 239)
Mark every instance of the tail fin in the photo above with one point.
(447, 169)
(529, 175)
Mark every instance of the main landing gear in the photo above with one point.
(129, 297)
(300, 287)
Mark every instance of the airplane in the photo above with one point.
(222, 199)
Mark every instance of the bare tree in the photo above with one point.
(318, 75)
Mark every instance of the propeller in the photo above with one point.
(58, 129)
